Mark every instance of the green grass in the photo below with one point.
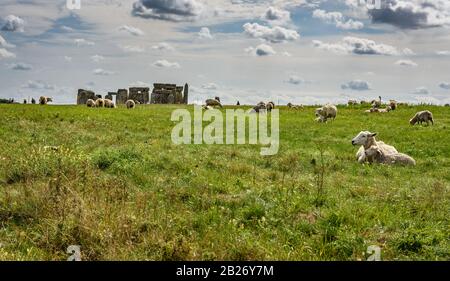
(118, 187)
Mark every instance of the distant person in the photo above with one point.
(33, 101)
(24, 101)
(238, 103)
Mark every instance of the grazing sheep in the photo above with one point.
(375, 153)
(270, 105)
(385, 110)
(109, 103)
(422, 116)
(366, 140)
(260, 107)
(352, 102)
(100, 103)
(213, 102)
(329, 111)
(447, 105)
(393, 104)
(45, 100)
(90, 103)
(130, 104)
(376, 103)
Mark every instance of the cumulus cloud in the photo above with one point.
(14, 24)
(261, 50)
(210, 86)
(102, 72)
(445, 85)
(443, 53)
(295, 80)
(132, 49)
(166, 64)
(97, 58)
(4, 44)
(172, 10)
(406, 63)
(131, 30)
(412, 14)
(359, 46)
(163, 47)
(38, 85)
(356, 85)
(337, 19)
(421, 91)
(204, 33)
(80, 42)
(276, 16)
(6, 54)
(139, 84)
(20, 66)
(275, 34)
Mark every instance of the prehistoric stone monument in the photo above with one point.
(84, 95)
(162, 94)
(169, 94)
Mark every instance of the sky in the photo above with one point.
(299, 51)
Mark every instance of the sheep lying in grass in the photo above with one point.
(422, 116)
(109, 103)
(378, 110)
(100, 103)
(90, 103)
(329, 111)
(393, 104)
(352, 102)
(375, 153)
(213, 102)
(376, 103)
(292, 106)
(366, 140)
(45, 100)
(130, 104)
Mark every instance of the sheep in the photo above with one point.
(422, 116)
(260, 107)
(44, 100)
(213, 102)
(447, 105)
(100, 103)
(207, 107)
(329, 111)
(109, 103)
(376, 103)
(90, 103)
(389, 159)
(385, 110)
(363, 102)
(352, 102)
(367, 139)
(130, 104)
(296, 107)
(393, 104)
(270, 105)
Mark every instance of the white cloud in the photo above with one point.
(275, 34)
(132, 49)
(359, 46)
(445, 85)
(83, 42)
(14, 24)
(5, 44)
(261, 50)
(68, 59)
(337, 19)
(102, 72)
(210, 86)
(276, 16)
(131, 30)
(421, 91)
(38, 85)
(406, 63)
(204, 33)
(97, 58)
(139, 84)
(356, 85)
(172, 10)
(443, 53)
(20, 66)
(163, 47)
(166, 64)
(6, 54)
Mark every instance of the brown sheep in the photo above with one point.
(44, 100)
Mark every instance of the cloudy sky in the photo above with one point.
(300, 51)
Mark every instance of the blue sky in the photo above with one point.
(299, 51)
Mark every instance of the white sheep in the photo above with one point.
(352, 102)
(100, 103)
(90, 103)
(374, 152)
(422, 116)
(366, 140)
(45, 100)
(109, 103)
(130, 104)
(329, 111)
(213, 102)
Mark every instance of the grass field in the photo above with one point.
(120, 189)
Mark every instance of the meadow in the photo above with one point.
(112, 181)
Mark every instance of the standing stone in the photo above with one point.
(186, 94)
